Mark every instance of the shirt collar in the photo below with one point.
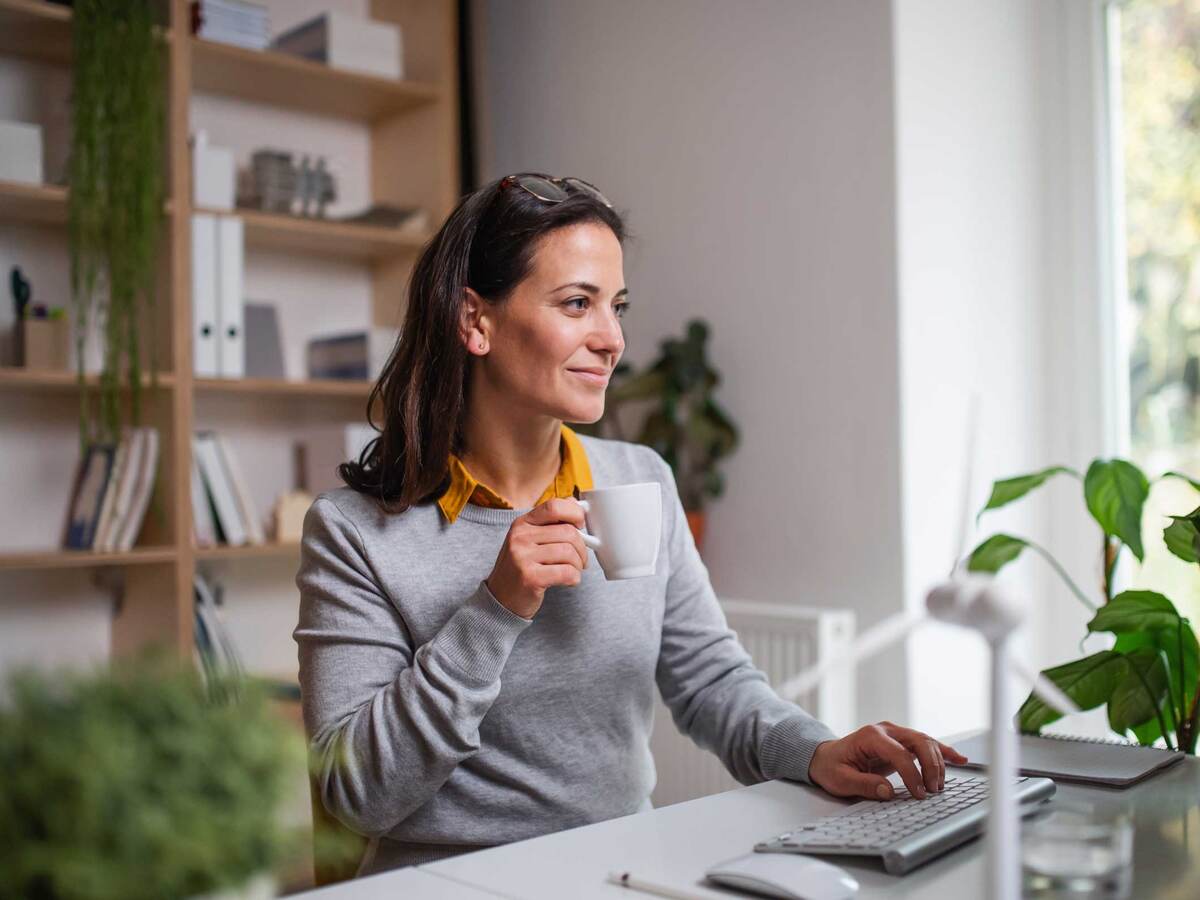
(574, 471)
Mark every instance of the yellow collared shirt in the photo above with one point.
(573, 472)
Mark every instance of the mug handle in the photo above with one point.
(589, 540)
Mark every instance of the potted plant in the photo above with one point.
(1149, 678)
(142, 781)
(115, 208)
(685, 424)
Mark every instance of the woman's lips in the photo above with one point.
(594, 378)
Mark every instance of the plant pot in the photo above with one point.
(696, 520)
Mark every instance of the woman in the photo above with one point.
(469, 676)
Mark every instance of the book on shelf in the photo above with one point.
(353, 355)
(234, 519)
(111, 493)
(214, 645)
(143, 488)
(87, 496)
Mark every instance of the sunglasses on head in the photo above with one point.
(550, 189)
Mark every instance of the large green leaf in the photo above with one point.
(1148, 732)
(1192, 481)
(1116, 491)
(1007, 490)
(1183, 539)
(1170, 641)
(1089, 682)
(1135, 611)
(1182, 536)
(995, 553)
(1140, 693)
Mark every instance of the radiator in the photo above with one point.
(782, 641)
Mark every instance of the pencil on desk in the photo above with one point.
(625, 879)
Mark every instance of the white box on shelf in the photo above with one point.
(204, 295)
(20, 152)
(213, 174)
(344, 41)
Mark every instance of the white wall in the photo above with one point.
(751, 146)
(973, 309)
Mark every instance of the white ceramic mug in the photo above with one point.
(625, 524)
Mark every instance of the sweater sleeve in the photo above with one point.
(714, 692)
(387, 722)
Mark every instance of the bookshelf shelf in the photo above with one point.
(279, 388)
(281, 80)
(32, 379)
(341, 240)
(80, 559)
(36, 30)
(249, 551)
(42, 204)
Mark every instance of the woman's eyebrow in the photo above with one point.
(590, 288)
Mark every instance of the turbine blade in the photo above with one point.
(865, 645)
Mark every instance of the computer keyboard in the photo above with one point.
(904, 831)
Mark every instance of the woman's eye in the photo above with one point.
(621, 309)
(581, 300)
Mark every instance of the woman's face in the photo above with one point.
(552, 346)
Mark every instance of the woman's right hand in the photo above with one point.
(543, 548)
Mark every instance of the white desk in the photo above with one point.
(402, 884)
(677, 843)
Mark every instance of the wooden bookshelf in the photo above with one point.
(301, 84)
(35, 29)
(415, 120)
(323, 237)
(18, 379)
(79, 559)
(37, 204)
(275, 388)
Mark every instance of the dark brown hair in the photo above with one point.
(487, 244)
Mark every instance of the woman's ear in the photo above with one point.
(474, 325)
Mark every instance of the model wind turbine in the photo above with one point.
(983, 605)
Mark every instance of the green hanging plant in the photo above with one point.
(116, 199)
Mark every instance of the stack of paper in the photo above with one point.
(232, 22)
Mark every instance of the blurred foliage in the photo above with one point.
(141, 781)
(1160, 90)
(684, 422)
(1160, 113)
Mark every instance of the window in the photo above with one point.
(1155, 63)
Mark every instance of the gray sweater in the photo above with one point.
(441, 722)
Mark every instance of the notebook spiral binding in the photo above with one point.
(1116, 742)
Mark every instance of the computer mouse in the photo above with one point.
(790, 876)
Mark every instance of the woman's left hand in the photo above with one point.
(856, 765)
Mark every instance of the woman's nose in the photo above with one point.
(609, 336)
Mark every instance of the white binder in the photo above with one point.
(204, 295)
(231, 345)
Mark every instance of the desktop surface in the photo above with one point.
(675, 844)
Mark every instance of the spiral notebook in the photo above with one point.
(1066, 758)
